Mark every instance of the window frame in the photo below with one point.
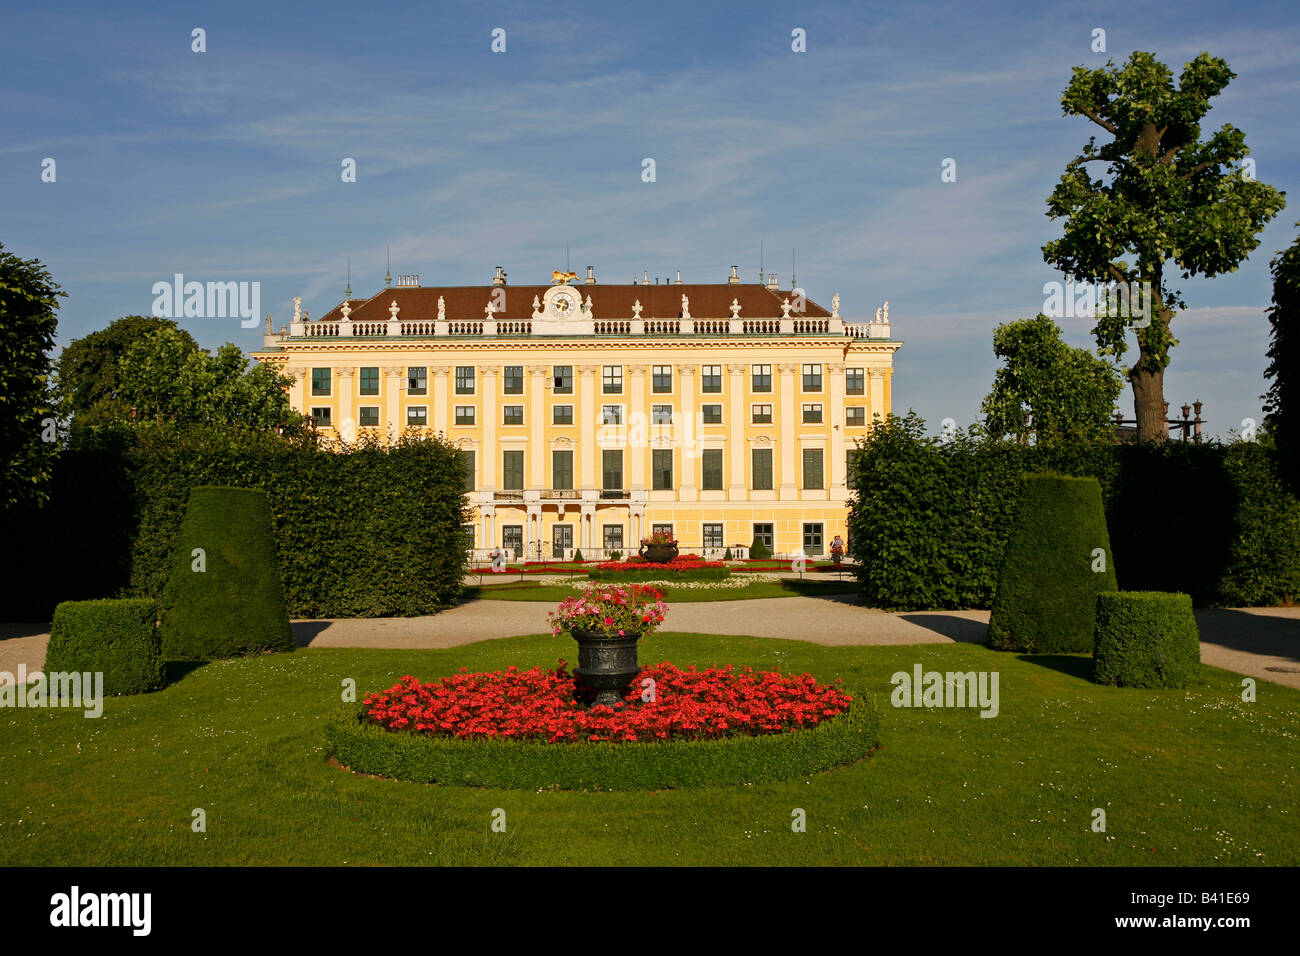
(655, 379)
(770, 455)
(329, 383)
(818, 375)
(368, 381)
(711, 379)
(466, 380)
(661, 477)
(755, 376)
(821, 469)
(754, 416)
(512, 380)
(611, 380)
(473, 415)
(717, 455)
(555, 415)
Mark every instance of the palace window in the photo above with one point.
(812, 538)
(855, 415)
(661, 414)
(464, 414)
(322, 416)
(562, 470)
(762, 414)
(464, 380)
(854, 382)
(812, 378)
(368, 416)
(713, 535)
(612, 380)
(514, 415)
(512, 470)
(320, 381)
(665, 528)
(661, 379)
(417, 415)
(512, 538)
(812, 468)
(851, 468)
(764, 533)
(711, 378)
(612, 537)
(513, 379)
(611, 469)
(761, 378)
(661, 468)
(563, 375)
(812, 414)
(370, 381)
(562, 415)
(611, 415)
(467, 459)
(417, 381)
(712, 414)
(711, 469)
(762, 466)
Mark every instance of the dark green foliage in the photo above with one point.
(1282, 403)
(728, 556)
(1146, 639)
(929, 519)
(615, 555)
(577, 555)
(517, 765)
(759, 551)
(658, 573)
(374, 532)
(1051, 572)
(227, 601)
(118, 638)
(29, 299)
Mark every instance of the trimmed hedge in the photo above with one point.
(1146, 639)
(759, 551)
(232, 604)
(118, 638)
(929, 519)
(370, 531)
(520, 765)
(1046, 601)
(661, 573)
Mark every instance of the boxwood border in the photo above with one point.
(526, 765)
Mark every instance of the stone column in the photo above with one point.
(877, 394)
(789, 479)
(392, 400)
(587, 526)
(638, 434)
(835, 416)
(441, 382)
(689, 430)
(536, 453)
(585, 409)
(491, 451)
(346, 426)
(736, 480)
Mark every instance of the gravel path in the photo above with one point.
(1260, 642)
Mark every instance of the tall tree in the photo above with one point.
(1282, 401)
(87, 369)
(1170, 199)
(1047, 390)
(164, 380)
(29, 299)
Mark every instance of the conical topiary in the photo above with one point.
(224, 596)
(1056, 561)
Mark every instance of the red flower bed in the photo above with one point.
(543, 705)
(683, 562)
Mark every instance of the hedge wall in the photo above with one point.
(373, 531)
(929, 520)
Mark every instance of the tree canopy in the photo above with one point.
(1282, 401)
(1169, 198)
(1047, 390)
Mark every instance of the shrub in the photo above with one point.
(224, 597)
(1052, 571)
(759, 551)
(118, 638)
(512, 764)
(728, 556)
(577, 555)
(615, 555)
(1146, 639)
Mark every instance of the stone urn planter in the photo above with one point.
(658, 553)
(607, 663)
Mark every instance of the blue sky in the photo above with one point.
(225, 165)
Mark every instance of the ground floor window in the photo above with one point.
(368, 416)
(812, 538)
(612, 536)
(561, 540)
(713, 535)
(322, 416)
(512, 538)
(764, 533)
(417, 415)
(665, 528)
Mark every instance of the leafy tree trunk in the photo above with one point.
(1148, 402)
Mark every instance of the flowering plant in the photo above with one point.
(683, 562)
(622, 609)
(660, 537)
(540, 705)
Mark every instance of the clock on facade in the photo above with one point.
(562, 303)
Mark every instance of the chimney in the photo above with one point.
(499, 278)
(591, 276)
(645, 277)
(771, 281)
(656, 280)
(679, 277)
(734, 278)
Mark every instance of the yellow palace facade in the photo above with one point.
(592, 415)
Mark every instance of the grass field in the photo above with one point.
(1185, 777)
(554, 593)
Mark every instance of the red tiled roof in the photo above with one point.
(608, 302)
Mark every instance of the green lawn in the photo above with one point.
(1186, 777)
(554, 593)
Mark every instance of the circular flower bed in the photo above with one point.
(529, 729)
